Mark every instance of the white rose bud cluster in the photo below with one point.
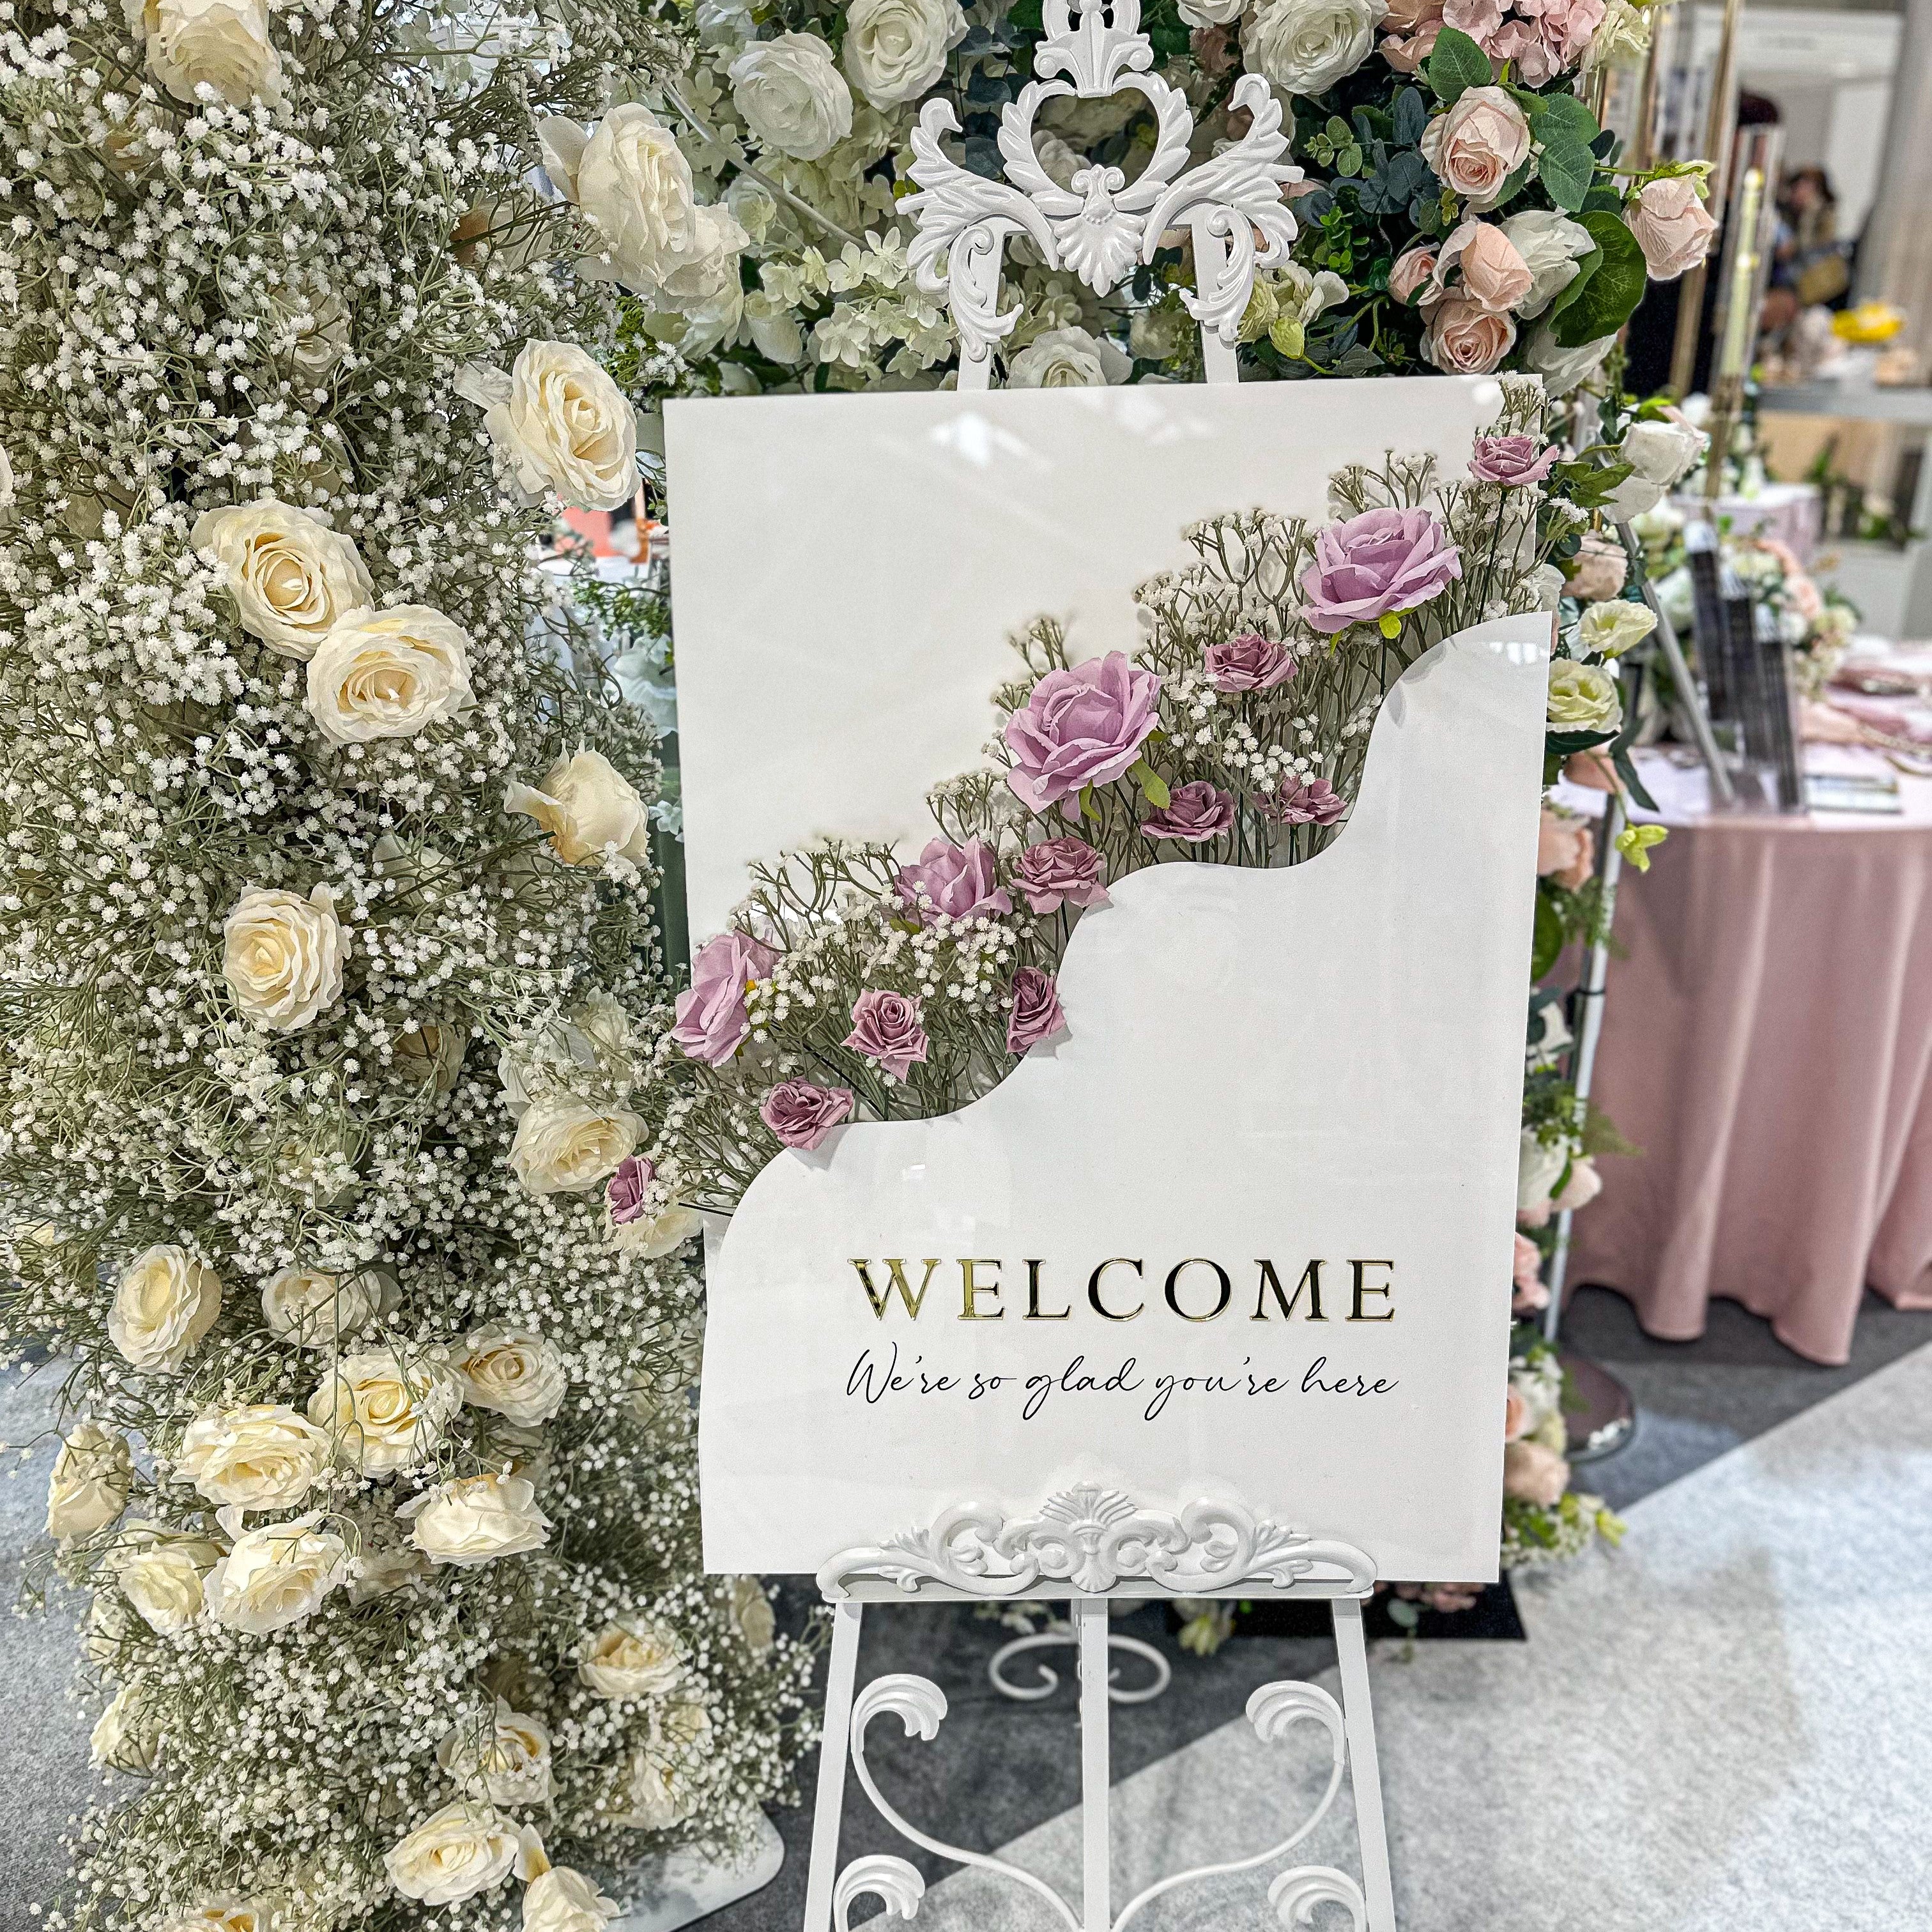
(476, 1519)
(164, 1302)
(292, 578)
(224, 44)
(589, 808)
(792, 96)
(91, 1478)
(388, 674)
(276, 1575)
(282, 956)
(564, 1145)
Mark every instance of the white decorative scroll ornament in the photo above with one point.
(1099, 228)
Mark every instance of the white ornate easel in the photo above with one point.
(1090, 1546)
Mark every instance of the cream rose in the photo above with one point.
(388, 673)
(512, 1371)
(430, 1054)
(564, 1145)
(564, 425)
(276, 1575)
(125, 1736)
(1477, 145)
(792, 96)
(1598, 570)
(291, 576)
(655, 1797)
(161, 1575)
(387, 1415)
(464, 1849)
(224, 44)
(662, 1234)
(506, 1759)
(1466, 338)
(1305, 47)
(751, 1612)
(635, 1656)
(1672, 225)
(476, 1519)
(223, 1914)
(262, 1455)
(316, 1310)
(1551, 245)
(1582, 697)
(563, 1900)
(1610, 629)
(1068, 359)
(1533, 1474)
(281, 955)
(92, 1477)
(895, 49)
(164, 1302)
(589, 809)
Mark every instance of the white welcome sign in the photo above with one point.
(1226, 1267)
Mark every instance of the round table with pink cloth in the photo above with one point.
(1767, 1043)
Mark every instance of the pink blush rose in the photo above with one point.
(1467, 337)
(1081, 727)
(1516, 1415)
(801, 1114)
(1672, 225)
(1532, 1474)
(1494, 272)
(1035, 1014)
(1515, 460)
(1478, 144)
(712, 1021)
(1249, 662)
(1598, 569)
(1565, 850)
(1411, 28)
(955, 882)
(1379, 563)
(1411, 270)
(1531, 1291)
(1194, 813)
(1060, 870)
(885, 1030)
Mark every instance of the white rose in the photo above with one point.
(476, 1519)
(315, 1310)
(563, 1900)
(1068, 359)
(714, 318)
(791, 96)
(276, 1575)
(1634, 496)
(655, 1796)
(430, 1054)
(388, 673)
(506, 1759)
(161, 1575)
(378, 1573)
(125, 1736)
(751, 1612)
(291, 576)
(663, 1235)
(262, 1456)
(1550, 244)
(635, 1656)
(1563, 369)
(386, 1414)
(164, 1302)
(1662, 452)
(517, 1374)
(92, 1477)
(1582, 697)
(464, 1849)
(281, 955)
(1540, 1166)
(1210, 12)
(895, 49)
(564, 425)
(223, 1914)
(564, 1145)
(222, 43)
(774, 328)
(589, 809)
(1305, 47)
(1613, 627)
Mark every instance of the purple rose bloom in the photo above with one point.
(886, 1028)
(1381, 561)
(959, 882)
(801, 1114)
(1510, 459)
(624, 1192)
(1196, 812)
(1035, 1014)
(1058, 869)
(711, 1022)
(1249, 662)
(1314, 803)
(1081, 727)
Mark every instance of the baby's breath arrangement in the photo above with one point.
(325, 894)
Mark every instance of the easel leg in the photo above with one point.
(1364, 1774)
(1089, 1618)
(833, 1754)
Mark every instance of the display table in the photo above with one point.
(1768, 1044)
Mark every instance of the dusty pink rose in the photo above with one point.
(1592, 770)
(1194, 813)
(1412, 271)
(801, 1114)
(1081, 727)
(711, 1022)
(1515, 1414)
(1672, 225)
(955, 882)
(1532, 1474)
(624, 1192)
(1531, 1291)
(1380, 561)
(1477, 145)
(1582, 1187)
(1035, 1013)
(1249, 662)
(1494, 272)
(1411, 27)
(1598, 569)
(1516, 460)
(1058, 870)
(1565, 850)
(885, 1029)
(1465, 338)
(1310, 802)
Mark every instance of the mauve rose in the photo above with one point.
(1598, 569)
(1514, 459)
(886, 1028)
(959, 882)
(1565, 851)
(1249, 662)
(1057, 869)
(1532, 1474)
(624, 1192)
(1464, 338)
(1310, 802)
(1194, 813)
(1035, 1014)
(711, 1022)
(1081, 727)
(801, 1114)
(1381, 561)
(1672, 225)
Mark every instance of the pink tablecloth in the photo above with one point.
(1768, 1043)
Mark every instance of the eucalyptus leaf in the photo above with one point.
(1411, 116)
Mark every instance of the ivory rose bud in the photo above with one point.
(1477, 145)
(161, 1574)
(1611, 628)
(1532, 1474)
(1464, 338)
(1305, 47)
(281, 956)
(91, 1478)
(1582, 697)
(895, 49)
(1564, 850)
(633, 1656)
(505, 1758)
(1550, 245)
(386, 1414)
(1034, 1013)
(712, 1022)
(563, 1900)
(316, 1310)
(224, 44)
(1413, 269)
(801, 1114)
(277, 1576)
(1068, 359)
(518, 1374)
(262, 1456)
(1061, 870)
(388, 673)
(291, 576)
(566, 426)
(1598, 570)
(476, 1519)
(564, 1145)
(164, 1302)
(126, 1736)
(792, 96)
(885, 1030)
(466, 1848)
(589, 809)
(1672, 225)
